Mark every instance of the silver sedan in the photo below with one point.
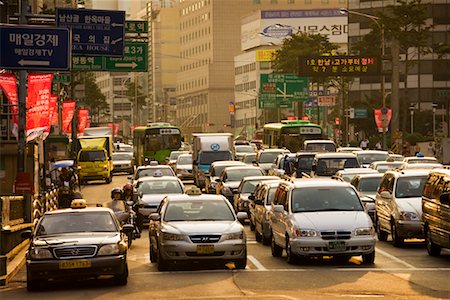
(195, 228)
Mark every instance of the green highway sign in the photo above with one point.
(138, 27)
(135, 59)
(361, 113)
(280, 90)
(62, 78)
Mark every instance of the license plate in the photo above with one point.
(75, 264)
(336, 246)
(205, 249)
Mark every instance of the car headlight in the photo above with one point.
(234, 236)
(172, 237)
(105, 167)
(408, 216)
(365, 231)
(40, 253)
(109, 249)
(306, 233)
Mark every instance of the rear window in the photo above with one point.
(160, 187)
(210, 210)
(329, 166)
(268, 157)
(154, 172)
(237, 175)
(369, 184)
(320, 147)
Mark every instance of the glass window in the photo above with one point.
(268, 157)
(237, 175)
(210, 210)
(408, 187)
(270, 196)
(329, 166)
(86, 156)
(160, 187)
(369, 184)
(249, 186)
(121, 156)
(185, 160)
(368, 158)
(76, 222)
(206, 158)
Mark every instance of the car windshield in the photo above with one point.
(243, 148)
(369, 184)
(174, 155)
(60, 223)
(154, 172)
(121, 156)
(185, 160)
(382, 168)
(208, 158)
(368, 158)
(422, 160)
(320, 147)
(210, 210)
(237, 175)
(160, 187)
(305, 163)
(123, 148)
(269, 198)
(325, 199)
(268, 157)
(409, 186)
(96, 155)
(248, 159)
(249, 186)
(329, 166)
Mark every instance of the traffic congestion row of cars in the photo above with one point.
(306, 204)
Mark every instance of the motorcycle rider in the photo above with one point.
(117, 204)
(66, 189)
(130, 195)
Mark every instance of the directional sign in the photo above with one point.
(443, 93)
(343, 65)
(139, 27)
(34, 48)
(282, 89)
(134, 60)
(94, 32)
(62, 78)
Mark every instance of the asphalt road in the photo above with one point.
(398, 273)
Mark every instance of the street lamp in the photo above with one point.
(411, 113)
(380, 26)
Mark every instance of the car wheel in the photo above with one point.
(258, 236)
(396, 240)
(290, 257)
(432, 248)
(163, 264)
(153, 256)
(265, 240)
(382, 235)
(369, 259)
(242, 262)
(122, 279)
(277, 251)
(130, 238)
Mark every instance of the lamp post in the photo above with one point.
(411, 113)
(380, 26)
(434, 105)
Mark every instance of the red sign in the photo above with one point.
(337, 121)
(53, 110)
(68, 107)
(23, 184)
(379, 119)
(8, 83)
(38, 98)
(116, 128)
(305, 118)
(83, 115)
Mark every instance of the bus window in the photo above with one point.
(153, 142)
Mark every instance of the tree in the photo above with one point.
(134, 91)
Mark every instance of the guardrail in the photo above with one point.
(43, 203)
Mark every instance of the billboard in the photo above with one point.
(339, 65)
(272, 27)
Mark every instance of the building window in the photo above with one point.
(290, 1)
(273, 1)
(264, 65)
(256, 1)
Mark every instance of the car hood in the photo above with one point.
(333, 220)
(265, 166)
(85, 238)
(184, 167)
(149, 198)
(121, 162)
(411, 205)
(202, 227)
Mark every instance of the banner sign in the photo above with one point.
(379, 119)
(82, 119)
(8, 83)
(38, 99)
(340, 65)
(68, 108)
(116, 128)
(53, 110)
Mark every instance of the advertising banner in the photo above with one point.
(82, 119)
(8, 83)
(53, 110)
(38, 99)
(115, 129)
(68, 108)
(379, 119)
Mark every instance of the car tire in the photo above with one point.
(241, 263)
(265, 240)
(163, 264)
(153, 256)
(382, 235)
(396, 240)
(130, 239)
(258, 236)
(109, 179)
(277, 251)
(432, 248)
(369, 259)
(290, 257)
(122, 279)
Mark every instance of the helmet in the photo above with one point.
(128, 187)
(116, 190)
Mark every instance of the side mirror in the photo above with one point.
(278, 208)
(155, 217)
(385, 194)
(242, 216)
(130, 177)
(27, 234)
(127, 228)
(251, 197)
(445, 198)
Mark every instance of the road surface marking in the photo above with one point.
(384, 253)
(257, 264)
(252, 242)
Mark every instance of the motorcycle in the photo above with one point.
(132, 220)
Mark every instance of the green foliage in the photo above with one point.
(135, 92)
(94, 99)
(416, 137)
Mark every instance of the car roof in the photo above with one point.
(319, 182)
(384, 162)
(319, 141)
(158, 178)
(273, 150)
(227, 162)
(419, 157)
(370, 175)
(335, 155)
(356, 171)
(262, 177)
(424, 165)
(299, 154)
(76, 210)
(370, 152)
(185, 155)
(202, 197)
(410, 172)
(153, 167)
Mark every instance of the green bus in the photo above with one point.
(155, 142)
(290, 134)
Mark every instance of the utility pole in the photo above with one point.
(22, 92)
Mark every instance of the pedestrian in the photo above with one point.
(364, 144)
(378, 145)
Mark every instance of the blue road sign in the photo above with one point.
(94, 32)
(34, 48)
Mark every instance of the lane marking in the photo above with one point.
(384, 253)
(256, 262)
(252, 242)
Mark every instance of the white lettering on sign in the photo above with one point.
(310, 130)
(33, 39)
